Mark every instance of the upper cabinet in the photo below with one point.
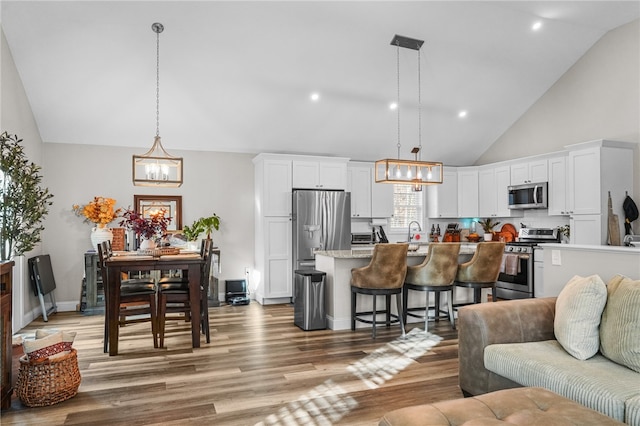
(493, 198)
(321, 173)
(468, 192)
(273, 185)
(529, 172)
(442, 200)
(557, 194)
(368, 199)
(359, 185)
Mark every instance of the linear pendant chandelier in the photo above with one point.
(157, 167)
(409, 172)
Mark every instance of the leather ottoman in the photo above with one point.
(519, 406)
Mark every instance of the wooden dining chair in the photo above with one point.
(137, 298)
(173, 296)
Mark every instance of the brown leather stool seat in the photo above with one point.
(435, 274)
(482, 270)
(383, 276)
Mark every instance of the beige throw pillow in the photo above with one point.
(620, 328)
(579, 307)
(41, 349)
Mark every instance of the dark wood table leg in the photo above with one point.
(194, 302)
(112, 308)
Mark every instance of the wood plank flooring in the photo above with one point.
(258, 369)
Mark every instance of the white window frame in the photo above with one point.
(406, 209)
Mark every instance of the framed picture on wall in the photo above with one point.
(171, 204)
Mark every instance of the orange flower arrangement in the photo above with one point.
(99, 211)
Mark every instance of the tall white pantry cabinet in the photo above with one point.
(275, 177)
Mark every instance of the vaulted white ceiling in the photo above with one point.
(236, 76)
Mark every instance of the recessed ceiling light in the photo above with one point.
(393, 105)
(315, 96)
(462, 114)
(536, 25)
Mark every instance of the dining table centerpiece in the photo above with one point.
(147, 229)
(100, 211)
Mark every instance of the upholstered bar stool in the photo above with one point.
(435, 274)
(383, 276)
(482, 270)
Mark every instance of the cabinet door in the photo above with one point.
(503, 180)
(584, 181)
(359, 184)
(277, 188)
(278, 252)
(442, 200)
(519, 173)
(538, 171)
(487, 193)
(557, 187)
(586, 229)
(529, 172)
(306, 174)
(332, 175)
(468, 193)
(381, 199)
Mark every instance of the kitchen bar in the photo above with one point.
(337, 264)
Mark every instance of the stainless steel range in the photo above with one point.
(516, 275)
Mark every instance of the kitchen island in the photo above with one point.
(338, 264)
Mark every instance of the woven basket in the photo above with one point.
(159, 251)
(48, 382)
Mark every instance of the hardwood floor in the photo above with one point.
(258, 369)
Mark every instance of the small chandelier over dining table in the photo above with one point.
(157, 167)
(410, 172)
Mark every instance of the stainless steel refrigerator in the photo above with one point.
(321, 221)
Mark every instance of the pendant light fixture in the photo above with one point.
(410, 172)
(157, 167)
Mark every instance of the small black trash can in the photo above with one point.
(309, 305)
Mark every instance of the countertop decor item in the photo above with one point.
(146, 228)
(101, 211)
(157, 167)
(410, 172)
(487, 225)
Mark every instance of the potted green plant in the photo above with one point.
(210, 223)
(24, 202)
(487, 226)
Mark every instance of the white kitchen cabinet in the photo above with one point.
(320, 174)
(586, 229)
(359, 184)
(493, 195)
(273, 186)
(442, 200)
(381, 199)
(557, 189)
(278, 271)
(468, 192)
(529, 172)
(595, 169)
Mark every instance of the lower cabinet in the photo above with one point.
(278, 273)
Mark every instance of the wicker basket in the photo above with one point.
(48, 382)
(159, 251)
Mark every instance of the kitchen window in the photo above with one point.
(408, 205)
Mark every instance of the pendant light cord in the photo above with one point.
(419, 110)
(158, 84)
(398, 92)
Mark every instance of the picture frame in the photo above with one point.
(172, 204)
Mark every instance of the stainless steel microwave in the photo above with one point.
(528, 196)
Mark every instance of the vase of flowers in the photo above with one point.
(146, 228)
(101, 211)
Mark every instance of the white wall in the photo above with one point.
(597, 98)
(16, 118)
(214, 182)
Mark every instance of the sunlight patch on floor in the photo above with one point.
(327, 403)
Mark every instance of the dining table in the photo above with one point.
(127, 262)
